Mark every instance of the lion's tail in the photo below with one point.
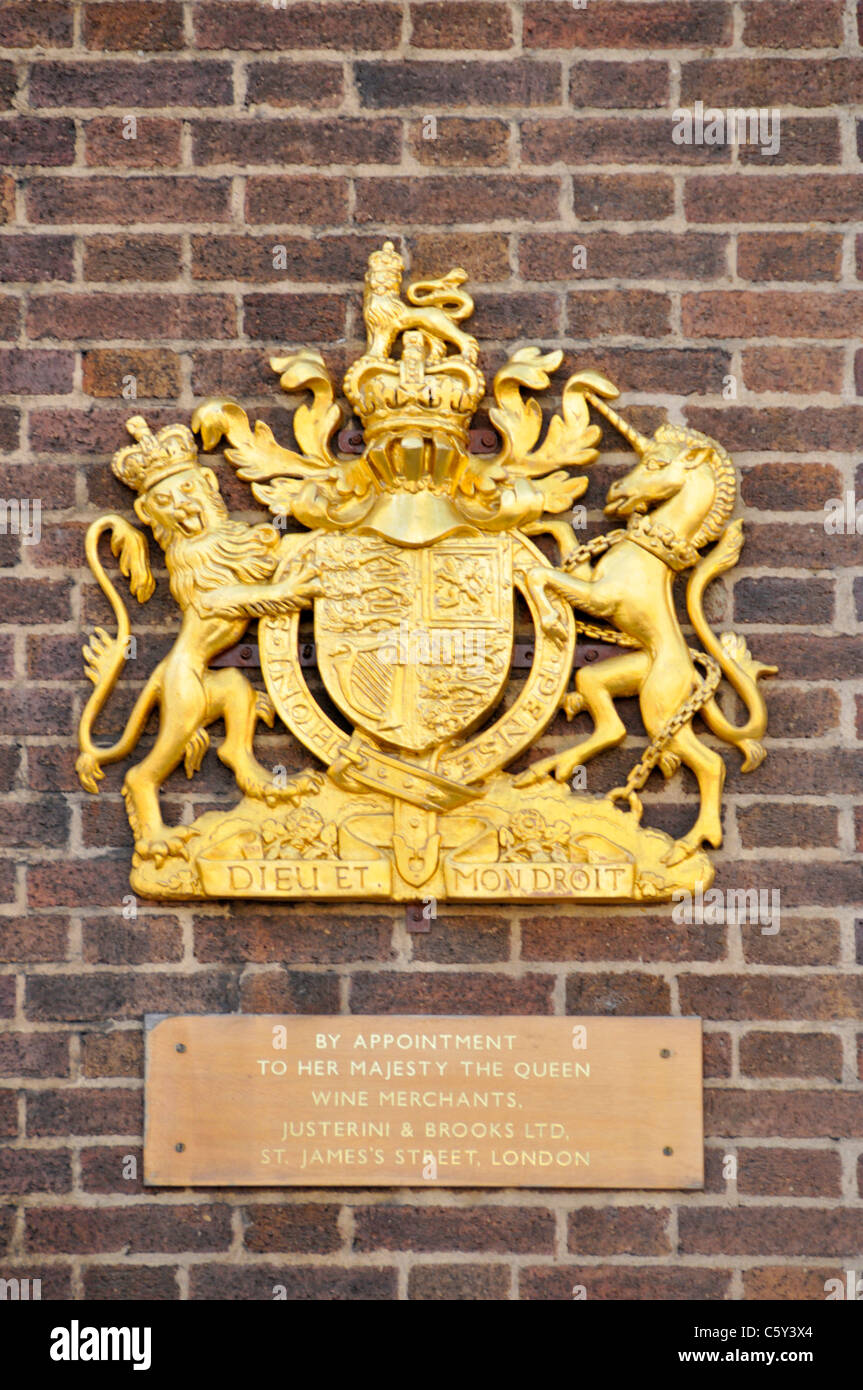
(444, 294)
(104, 656)
(741, 670)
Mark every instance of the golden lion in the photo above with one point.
(441, 306)
(221, 573)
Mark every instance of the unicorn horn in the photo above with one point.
(593, 387)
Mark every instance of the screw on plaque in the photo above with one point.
(415, 918)
(179, 1148)
(668, 1151)
(665, 1052)
(181, 1047)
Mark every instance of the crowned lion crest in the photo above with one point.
(413, 558)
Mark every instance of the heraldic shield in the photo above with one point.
(414, 645)
(420, 563)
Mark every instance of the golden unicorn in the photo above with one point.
(679, 497)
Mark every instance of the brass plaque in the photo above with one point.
(380, 1101)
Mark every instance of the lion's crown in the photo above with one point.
(154, 456)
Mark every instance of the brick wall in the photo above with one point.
(152, 258)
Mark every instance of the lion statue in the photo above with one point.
(222, 573)
(440, 307)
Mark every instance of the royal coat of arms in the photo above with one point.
(413, 556)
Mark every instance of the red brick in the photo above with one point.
(788, 1283)
(620, 24)
(572, 936)
(625, 1282)
(152, 25)
(296, 199)
(800, 370)
(116, 1053)
(10, 433)
(251, 258)
(500, 318)
(790, 1172)
(157, 939)
(631, 313)
(458, 1283)
(453, 24)
(156, 144)
(29, 140)
(34, 1054)
(430, 84)
(276, 317)
(619, 1230)
(134, 1229)
(618, 85)
(129, 199)
(114, 994)
(8, 1126)
(612, 993)
(308, 1229)
(576, 140)
(628, 197)
(296, 935)
(111, 316)
(156, 373)
(246, 24)
(804, 314)
(8, 85)
(824, 996)
(464, 938)
(104, 1169)
(790, 486)
(785, 1114)
(159, 83)
(84, 1110)
(304, 1282)
(789, 255)
(791, 1054)
(337, 140)
(632, 255)
(29, 373)
(285, 82)
(783, 823)
(110, 258)
(759, 197)
(780, 429)
(36, 259)
(460, 142)
(290, 992)
(717, 1054)
(10, 317)
(516, 1230)
(775, 1230)
(805, 24)
(130, 1283)
(441, 200)
(762, 82)
(55, 1281)
(804, 140)
(456, 992)
(35, 1170)
(47, 24)
(768, 600)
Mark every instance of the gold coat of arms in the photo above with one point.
(414, 556)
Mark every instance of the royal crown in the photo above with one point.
(154, 456)
(430, 388)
